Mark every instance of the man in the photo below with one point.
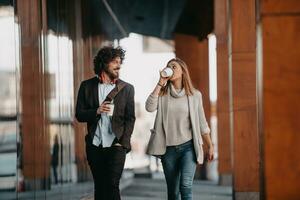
(108, 137)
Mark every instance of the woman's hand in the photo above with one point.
(210, 148)
(161, 83)
(162, 80)
(210, 153)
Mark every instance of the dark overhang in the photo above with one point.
(117, 18)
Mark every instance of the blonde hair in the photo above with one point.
(186, 79)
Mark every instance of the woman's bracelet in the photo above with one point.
(160, 85)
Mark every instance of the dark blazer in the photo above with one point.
(123, 116)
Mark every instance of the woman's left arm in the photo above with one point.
(208, 142)
(205, 131)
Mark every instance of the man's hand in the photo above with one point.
(104, 108)
(118, 144)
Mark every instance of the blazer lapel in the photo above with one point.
(96, 91)
(192, 111)
(165, 105)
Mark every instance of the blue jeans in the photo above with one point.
(179, 164)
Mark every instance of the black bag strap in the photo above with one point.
(115, 91)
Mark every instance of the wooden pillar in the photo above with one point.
(280, 89)
(87, 38)
(35, 137)
(195, 54)
(246, 154)
(78, 76)
(223, 112)
(88, 57)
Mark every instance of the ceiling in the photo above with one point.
(117, 18)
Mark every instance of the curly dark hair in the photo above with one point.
(106, 55)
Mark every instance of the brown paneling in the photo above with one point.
(245, 121)
(246, 146)
(224, 144)
(244, 81)
(280, 6)
(79, 128)
(88, 57)
(224, 139)
(281, 111)
(246, 152)
(222, 77)
(86, 34)
(243, 26)
(221, 19)
(35, 138)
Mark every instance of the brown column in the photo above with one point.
(79, 128)
(280, 89)
(88, 57)
(244, 101)
(88, 45)
(35, 137)
(223, 112)
(195, 54)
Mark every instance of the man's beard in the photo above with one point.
(111, 74)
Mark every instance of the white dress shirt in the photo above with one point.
(104, 133)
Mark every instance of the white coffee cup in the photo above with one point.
(111, 109)
(167, 72)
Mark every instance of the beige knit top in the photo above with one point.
(179, 128)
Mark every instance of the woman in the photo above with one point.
(179, 124)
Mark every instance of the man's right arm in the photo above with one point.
(83, 113)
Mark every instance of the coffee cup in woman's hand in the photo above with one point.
(166, 72)
(162, 79)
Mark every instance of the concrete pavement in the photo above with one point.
(155, 189)
(131, 189)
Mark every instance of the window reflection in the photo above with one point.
(9, 136)
(60, 70)
(8, 155)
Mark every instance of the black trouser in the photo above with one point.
(107, 166)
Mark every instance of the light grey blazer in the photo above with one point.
(157, 142)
